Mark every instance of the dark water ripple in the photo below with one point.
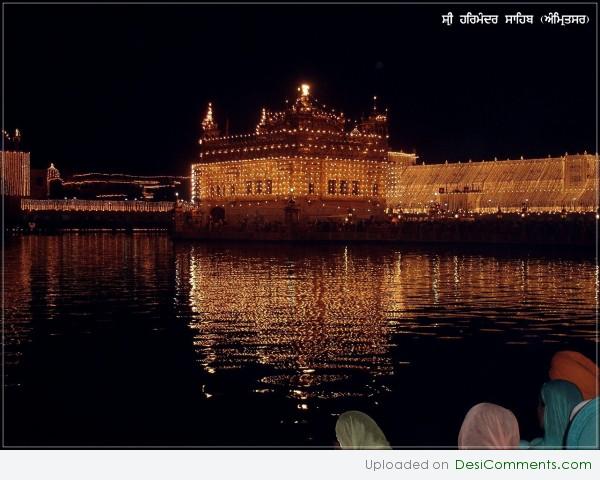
(115, 329)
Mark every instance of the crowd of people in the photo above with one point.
(568, 414)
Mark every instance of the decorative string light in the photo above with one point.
(306, 151)
(74, 205)
(295, 152)
(15, 174)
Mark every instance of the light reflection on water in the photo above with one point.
(310, 324)
(337, 310)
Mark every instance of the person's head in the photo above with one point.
(577, 369)
(557, 400)
(356, 430)
(489, 426)
(583, 430)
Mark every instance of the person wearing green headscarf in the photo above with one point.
(557, 400)
(583, 431)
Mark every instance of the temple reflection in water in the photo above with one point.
(138, 327)
(314, 320)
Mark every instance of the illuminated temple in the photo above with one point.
(569, 182)
(306, 159)
(302, 158)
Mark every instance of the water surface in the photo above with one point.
(116, 339)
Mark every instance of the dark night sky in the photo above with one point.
(122, 88)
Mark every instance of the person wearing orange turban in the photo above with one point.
(578, 369)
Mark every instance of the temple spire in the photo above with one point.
(304, 100)
(209, 126)
(263, 120)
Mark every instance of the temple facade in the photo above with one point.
(310, 163)
(553, 184)
(304, 158)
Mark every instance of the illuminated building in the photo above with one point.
(15, 174)
(305, 155)
(53, 173)
(15, 167)
(303, 158)
(569, 182)
(53, 181)
(73, 205)
(117, 186)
